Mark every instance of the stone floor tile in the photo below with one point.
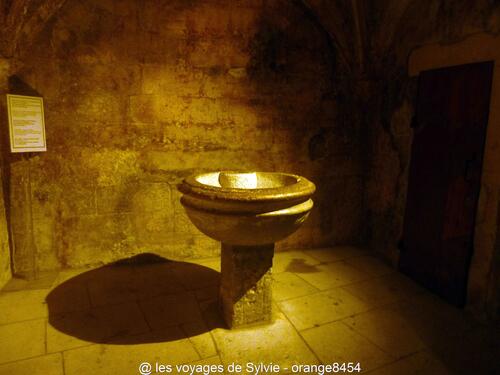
(200, 337)
(22, 305)
(476, 352)
(45, 365)
(431, 314)
(378, 291)
(215, 360)
(58, 341)
(332, 275)
(193, 276)
(125, 359)
(287, 285)
(336, 342)
(403, 284)
(212, 365)
(371, 265)
(210, 293)
(278, 343)
(126, 283)
(294, 261)
(212, 315)
(22, 340)
(212, 263)
(65, 275)
(334, 254)
(95, 325)
(389, 312)
(68, 297)
(44, 280)
(421, 363)
(154, 280)
(388, 330)
(309, 311)
(112, 285)
(174, 309)
(450, 333)
(121, 320)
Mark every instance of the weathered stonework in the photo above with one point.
(246, 284)
(5, 256)
(397, 32)
(140, 94)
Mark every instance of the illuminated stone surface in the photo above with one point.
(335, 342)
(389, 331)
(248, 212)
(25, 340)
(5, 255)
(319, 308)
(246, 284)
(234, 209)
(50, 364)
(22, 305)
(140, 95)
(419, 334)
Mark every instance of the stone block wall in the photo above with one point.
(5, 256)
(465, 29)
(5, 266)
(140, 94)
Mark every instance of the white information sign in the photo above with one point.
(26, 123)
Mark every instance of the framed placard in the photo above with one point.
(26, 123)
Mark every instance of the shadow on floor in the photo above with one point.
(300, 266)
(141, 299)
(460, 341)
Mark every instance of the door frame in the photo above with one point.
(476, 48)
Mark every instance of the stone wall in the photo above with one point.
(447, 24)
(5, 269)
(5, 266)
(484, 276)
(140, 94)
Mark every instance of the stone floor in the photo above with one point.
(331, 305)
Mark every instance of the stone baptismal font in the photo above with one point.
(247, 212)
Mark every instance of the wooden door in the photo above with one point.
(444, 177)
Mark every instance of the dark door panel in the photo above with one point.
(444, 177)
